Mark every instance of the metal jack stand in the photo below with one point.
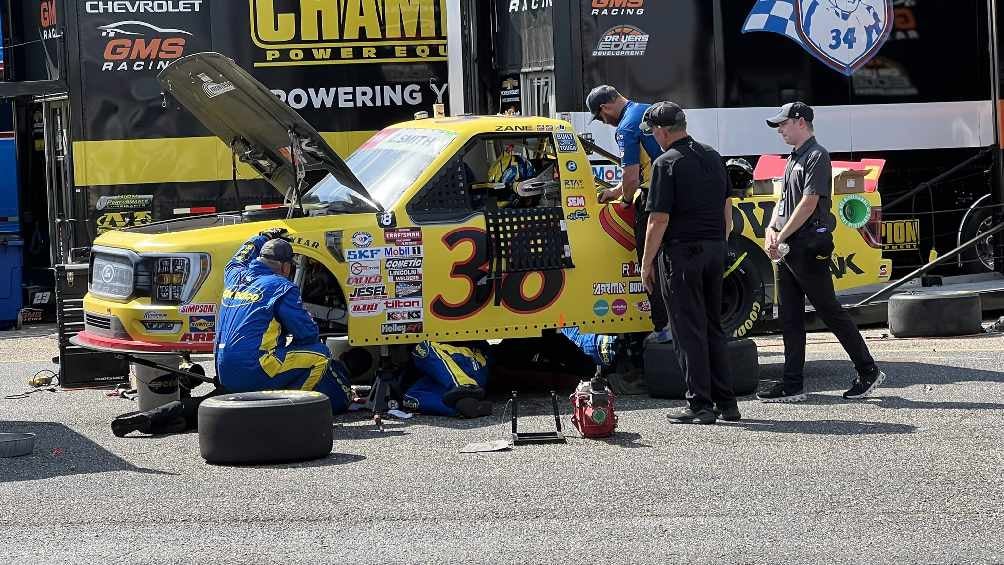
(536, 437)
(387, 379)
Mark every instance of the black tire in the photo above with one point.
(935, 314)
(743, 290)
(665, 379)
(979, 258)
(265, 427)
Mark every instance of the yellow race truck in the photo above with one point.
(411, 239)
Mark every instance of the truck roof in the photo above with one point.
(470, 124)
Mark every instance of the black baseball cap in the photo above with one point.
(792, 111)
(662, 114)
(277, 250)
(603, 94)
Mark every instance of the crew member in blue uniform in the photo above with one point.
(452, 380)
(266, 340)
(638, 151)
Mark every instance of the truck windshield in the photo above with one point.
(387, 165)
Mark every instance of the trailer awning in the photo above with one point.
(32, 88)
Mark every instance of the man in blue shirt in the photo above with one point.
(638, 151)
(266, 340)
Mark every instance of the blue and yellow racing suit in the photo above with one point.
(258, 311)
(444, 368)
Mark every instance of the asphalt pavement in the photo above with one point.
(910, 476)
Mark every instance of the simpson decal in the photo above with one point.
(197, 309)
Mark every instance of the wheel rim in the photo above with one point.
(985, 247)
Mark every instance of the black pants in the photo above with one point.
(658, 305)
(691, 277)
(804, 272)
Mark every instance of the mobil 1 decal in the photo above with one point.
(520, 293)
(128, 43)
(668, 43)
(344, 65)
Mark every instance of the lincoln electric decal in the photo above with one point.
(844, 34)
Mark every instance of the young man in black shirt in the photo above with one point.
(690, 217)
(802, 219)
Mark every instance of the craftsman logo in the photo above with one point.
(353, 281)
(599, 289)
(365, 309)
(566, 142)
(368, 292)
(630, 269)
(365, 268)
(141, 47)
(403, 236)
(901, 235)
(336, 32)
(197, 309)
(202, 323)
(575, 202)
(407, 290)
(404, 263)
(142, 6)
(622, 41)
(619, 307)
(214, 89)
(618, 7)
(198, 337)
(362, 239)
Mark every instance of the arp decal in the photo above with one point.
(198, 337)
(364, 269)
(362, 239)
(600, 289)
(474, 268)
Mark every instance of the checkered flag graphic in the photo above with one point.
(776, 16)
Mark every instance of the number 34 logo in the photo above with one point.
(844, 34)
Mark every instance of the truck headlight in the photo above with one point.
(111, 276)
(177, 278)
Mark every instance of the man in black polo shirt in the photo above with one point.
(803, 221)
(690, 215)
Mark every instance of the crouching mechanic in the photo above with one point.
(260, 311)
(451, 380)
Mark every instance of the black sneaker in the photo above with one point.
(728, 413)
(688, 416)
(777, 393)
(863, 386)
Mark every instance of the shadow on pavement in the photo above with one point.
(60, 451)
(823, 427)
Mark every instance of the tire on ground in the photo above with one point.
(935, 314)
(743, 290)
(265, 427)
(665, 379)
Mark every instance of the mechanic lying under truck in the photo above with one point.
(415, 238)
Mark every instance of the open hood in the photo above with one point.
(255, 124)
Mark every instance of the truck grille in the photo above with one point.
(108, 326)
(97, 322)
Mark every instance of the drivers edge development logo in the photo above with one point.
(622, 41)
(348, 32)
(843, 34)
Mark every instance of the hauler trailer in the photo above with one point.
(100, 147)
(913, 83)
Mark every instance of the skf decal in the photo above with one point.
(843, 34)
(617, 220)
(364, 254)
(600, 289)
